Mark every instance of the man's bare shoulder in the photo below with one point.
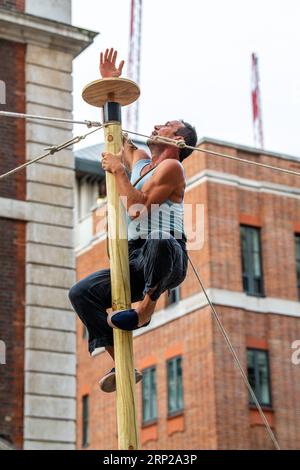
(170, 165)
(132, 154)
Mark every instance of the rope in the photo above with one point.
(232, 350)
(181, 144)
(48, 118)
(51, 151)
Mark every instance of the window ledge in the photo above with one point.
(149, 423)
(261, 296)
(175, 414)
(263, 407)
(175, 423)
(256, 420)
(171, 304)
(149, 432)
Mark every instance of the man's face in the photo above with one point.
(167, 130)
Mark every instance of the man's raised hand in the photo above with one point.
(108, 64)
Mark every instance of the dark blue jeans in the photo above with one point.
(160, 262)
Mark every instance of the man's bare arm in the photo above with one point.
(108, 69)
(131, 154)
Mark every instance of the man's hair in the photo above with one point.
(188, 132)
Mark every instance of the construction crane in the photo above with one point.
(256, 104)
(134, 59)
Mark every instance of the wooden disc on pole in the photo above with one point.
(111, 93)
(118, 90)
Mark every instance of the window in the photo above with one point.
(149, 402)
(259, 375)
(297, 240)
(174, 296)
(89, 192)
(175, 392)
(85, 421)
(102, 189)
(251, 260)
(85, 334)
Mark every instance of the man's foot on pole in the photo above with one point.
(125, 320)
(132, 319)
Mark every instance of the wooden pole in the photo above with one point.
(111, 93)
(121, 299)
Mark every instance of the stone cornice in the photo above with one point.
(31, 29)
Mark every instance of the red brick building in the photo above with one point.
(192, 395)
(37, 268)
(12, 252)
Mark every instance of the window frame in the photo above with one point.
(249, 256)
(85, 334)
(297, 241)
(85, 403)
(178, 410)
(153, 401)
(256, 374)
(177, 293)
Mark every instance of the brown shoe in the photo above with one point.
(108, 382)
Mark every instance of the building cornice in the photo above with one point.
(231, 179)
(223, 298)
(31, 29)
(245, 148)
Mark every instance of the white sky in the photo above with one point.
(196, 65)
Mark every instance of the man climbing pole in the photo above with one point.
(156, 240)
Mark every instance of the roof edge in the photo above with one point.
(246, 148)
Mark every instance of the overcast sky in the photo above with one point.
(196, 64)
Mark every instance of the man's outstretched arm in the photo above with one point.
(108, 69)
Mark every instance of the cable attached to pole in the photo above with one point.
(181, 144)
(51, 151)
(49, 118)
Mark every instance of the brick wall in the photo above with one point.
(18, 5)
(12, 132)
(12, 297)
(197, 425)
(217, 414)
(238, 425)
(12, 247)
